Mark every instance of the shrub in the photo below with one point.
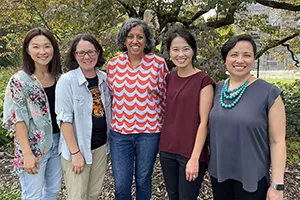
(5, 74)
(291, 99)
(9, 193)
(293, 149)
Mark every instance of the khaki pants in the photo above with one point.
(86, 185)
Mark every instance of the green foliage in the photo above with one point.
(282, 81)
(9, 193)
(293, 149)
(291, 99)
(5, 74)
(102, 18)
(209, 55)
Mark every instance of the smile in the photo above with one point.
(239, 66)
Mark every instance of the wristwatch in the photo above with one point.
(277, 186)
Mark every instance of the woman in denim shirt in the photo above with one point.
(29, 115)
(83, 113)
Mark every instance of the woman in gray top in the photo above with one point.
(247, 130)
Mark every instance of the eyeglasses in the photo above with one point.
(90, 53)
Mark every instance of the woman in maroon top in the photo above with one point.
(183, 153)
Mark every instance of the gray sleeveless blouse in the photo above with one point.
(239, 141)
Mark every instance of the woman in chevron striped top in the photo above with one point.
(136, 79)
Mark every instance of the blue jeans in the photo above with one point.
(46, 184)
(133, 152)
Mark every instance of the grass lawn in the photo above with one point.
(279, 80)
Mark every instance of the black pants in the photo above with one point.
(173, 168)
(233, 190)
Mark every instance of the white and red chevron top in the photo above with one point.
(138, 94)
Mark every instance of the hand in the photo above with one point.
(31, 163)
(77, 163)
(274, 194)
(192, 169)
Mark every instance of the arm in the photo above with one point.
(77, 158)
(277, 124)
(206, 102)
(163, 86)
(31, 163)
(109, 79)
(15, 118)
(64, 112)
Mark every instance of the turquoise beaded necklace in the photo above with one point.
(235, 97)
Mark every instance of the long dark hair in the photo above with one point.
(187, 36)
(54, 66)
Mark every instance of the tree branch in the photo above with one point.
(31, 5)
(279, 5)
(292, 54)
(228, 19)
(275, 44)
(129, 9)
(199, 14)
(208, 7)
(143, 8)
(165, 17)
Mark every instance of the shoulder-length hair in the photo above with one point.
(127, 26)
(229, 44)
(54, 66)
(71, 62)
(187, 36)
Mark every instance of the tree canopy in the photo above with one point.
(66, 18)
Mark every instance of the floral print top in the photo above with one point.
(25, 100)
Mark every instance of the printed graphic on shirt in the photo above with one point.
(98, 110)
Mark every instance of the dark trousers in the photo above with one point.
(233, 190)
(173, 168)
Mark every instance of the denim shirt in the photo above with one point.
(26, 101)
(74, 104)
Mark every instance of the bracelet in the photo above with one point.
(75, 153)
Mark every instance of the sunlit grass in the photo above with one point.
(279, 80)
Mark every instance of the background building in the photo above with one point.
(277, 60)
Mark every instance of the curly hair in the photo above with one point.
(127, 26)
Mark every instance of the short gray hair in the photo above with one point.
(127, 26)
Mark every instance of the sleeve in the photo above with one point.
(63, 101)
(274, 92)
(167, 78)
(162, 84)
(15, 108)
(109, 77)
(207, 80)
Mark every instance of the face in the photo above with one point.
(240, 59)
(40, 50)
(181, 53)
(136, 41)
(86, 56)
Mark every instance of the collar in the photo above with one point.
(82, 80)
